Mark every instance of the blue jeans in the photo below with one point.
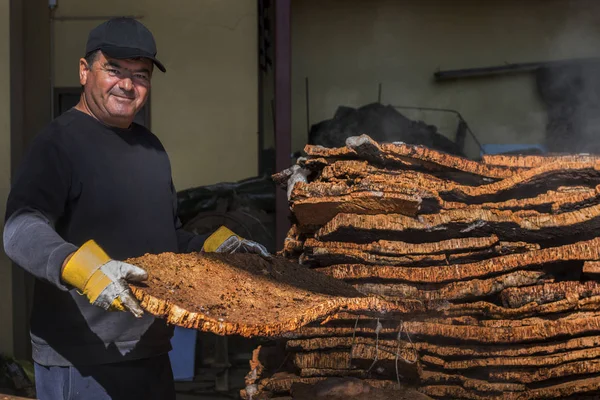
(146, 379)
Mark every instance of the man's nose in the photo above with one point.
(126, 84)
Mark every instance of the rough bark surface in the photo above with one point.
(527, 361)
(535, 375)
(468, 353)
(471, 289)
(429, 377)
(591, 268)
(324, 256)
(529, 226)
(548, 293)
(363, 147)
(543, 330)
(562, 390)
(561, 179)
(587, 250)
(317, 211)
(239, 294)
(391, 248)
(523, 161)
(485, 309)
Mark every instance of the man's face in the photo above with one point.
(115, 90)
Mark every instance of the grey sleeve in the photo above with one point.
(31, 241)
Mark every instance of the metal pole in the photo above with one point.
(283, 111)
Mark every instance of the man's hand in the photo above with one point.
(103, 280)
(225, 241)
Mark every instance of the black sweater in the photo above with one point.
(83, 180)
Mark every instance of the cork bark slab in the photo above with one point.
(318, 211)
(478, 385)
(586, 250)
(485, 309)
(282, 382)
(391, 248)
(527, 361)
(467, 290)
(560, 391)
(591, 268)
(536, 375)
(526, 184)
(238, 294)
(453, 352)
(549, 202)
(528, 226)
(548, 293)
(360, 356)
(317, 203)
(357, 171)
(324, 256)
(524, 161)
(542, 331)
(365, 148)
(328, 372)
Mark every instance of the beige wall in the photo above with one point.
(204, 108)
(6, 336)
(347, 47)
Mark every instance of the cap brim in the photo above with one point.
(127, 52)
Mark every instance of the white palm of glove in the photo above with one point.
(234, 244)
(120, 273)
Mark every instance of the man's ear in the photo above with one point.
(84, 70)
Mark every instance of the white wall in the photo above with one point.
(6, 335)
(347, 47)
(204, 109)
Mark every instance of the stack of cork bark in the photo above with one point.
(501, 255)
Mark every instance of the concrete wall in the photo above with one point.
(204, 108)
(347, 47)
(6, 336)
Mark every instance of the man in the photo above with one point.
(95, 184)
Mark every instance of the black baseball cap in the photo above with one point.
(123, 38)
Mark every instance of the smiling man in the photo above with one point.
(94, 184)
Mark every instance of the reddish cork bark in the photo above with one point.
(466, 290)
(317, 211)
(548, 293)
(586, 250)
(591, 268)
(363, 147)
(563, 390)
(478, 385)
(529, 226)
(531, 161)
(576, 324)
(526, 184)
(239, 294)
(467, 352)
(391, 248)
(524, 361)
(485, 309)
(332, 255)
(569, 370)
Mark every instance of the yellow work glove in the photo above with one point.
(225, 241)
(102, 279)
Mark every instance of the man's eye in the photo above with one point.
(141, 76)
(113, 71)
